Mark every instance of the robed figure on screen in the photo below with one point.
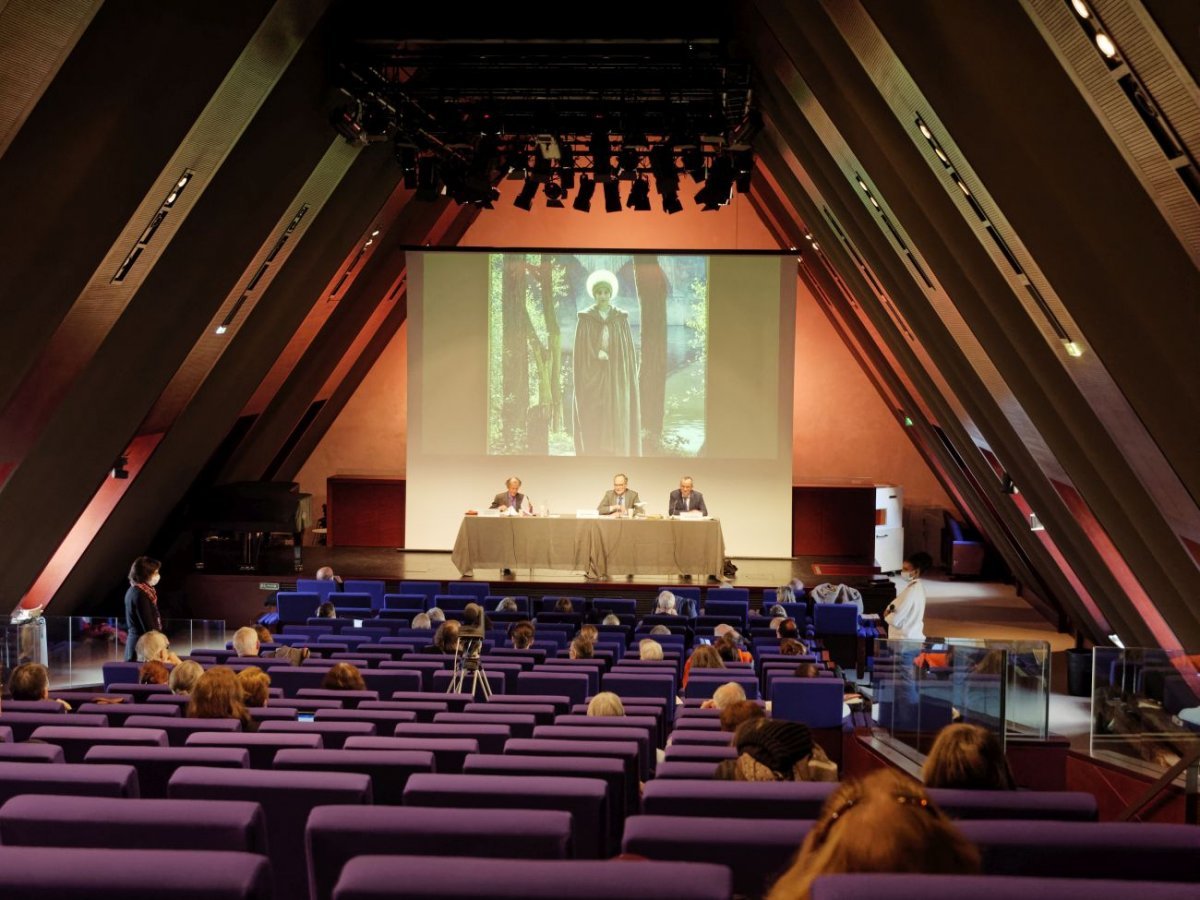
(607, 416)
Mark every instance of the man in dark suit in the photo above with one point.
(685, 499)
(620, 501)
(512, 500)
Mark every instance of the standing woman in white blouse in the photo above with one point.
(906, 614)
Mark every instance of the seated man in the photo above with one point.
(686, 500)
(31, 681)
(246, 643)
(325, 573)
(512, 502)
(620, 501)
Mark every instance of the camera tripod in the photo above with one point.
(466, 660)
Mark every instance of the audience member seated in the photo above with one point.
(344, 677)
(967, 757)
(650, 649)
(703, 657)
(445, 639)
(256, 685)
(422, 622)
(154, 672)
(582, 648)
(807, 670)
(521, 635)
(774, 750)
(727, 694)
(660, 629)
(728, 649)
(31, 681)
(264, 634)
(183, 676)
(792, 647)
(326, 611)
(777, 612)
(508, 604)
(606, 703)
(564, 605)
(218, 695)
(883, 823)
(787, 629)
(741, 711)
(436, 616)
(154, 645)
(245, 643)
(665, 604)
(325, 573)
(611, 619)
(776, 622)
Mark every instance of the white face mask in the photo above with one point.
(153, 580)
(909, 575)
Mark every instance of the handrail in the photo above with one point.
(1190, 762)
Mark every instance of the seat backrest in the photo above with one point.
(322, 588)
(372, 589)
(67, 778)
(295, 607)
(815, 701)
(428, 588)
(156, 765)
(479, 590)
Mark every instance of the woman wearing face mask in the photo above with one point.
(141, 603)
(906, 614)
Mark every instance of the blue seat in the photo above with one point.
(727, 593)
(733, 607)
(479, 590)
(296, 607)
(373, 590)
(428, 588)
(453, 603)
(616, 605)
(415, 602)
(817, 702)
(316, 586)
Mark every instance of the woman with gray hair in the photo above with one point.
(665, 604)
(508, 604)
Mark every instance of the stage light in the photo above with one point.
(118, 469)
(1007, 486)
(566, 165)
(1073, 349)
(1106, 45)
(554, 194)
(718, 189)
(1081, 9)
(524, 200)
(428, 179)
(639, 196)
(583, 198)
(628, 160)
(743, 167)
(671, 204)
(693, 161)
(601, 153)
(612, 196)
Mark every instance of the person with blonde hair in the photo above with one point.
(728, 693)
(217, 694)
(153, 645)
(344, 677)
(611, 619)
(183, 676)
(245, 641)
(421, 621)
(256, 685)
(648, 648)
(968, 757)
(906, 833)
(606, 703)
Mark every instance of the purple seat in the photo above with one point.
(43, 753)
(491, 738)
(520, 725)
(338, 834)
(348, 699)
(379, 877)
(758, 799)
(293, 678)
(178, 728)
(455, 702)
(24, 724)
(685, 769)
(583, 798)
(76, 742)
(287, 798)
(261, 747)
(639, 685)
(497, 680)
(611, 771)
(990, 887)
(139, 692)
(626, 751)
(333, 734)
(67, 778)
(308, 704)
(119, 713)
(543, 714)
(642, 736)
(384, 720)
(814, 701)
(703, 737)
(37, 873)
(156, 765)
(565, 684)
(119, 672)
(701, 684)
(575, 667)
(694, 724)
(1144, 851)
(35, 706)
(699, 753)
(560, 702)
(448, 753)
(388, 771)
(1071, 806)
(425, 667)
(424, 710)
(38, 821)
(272, 713)
(389, 681)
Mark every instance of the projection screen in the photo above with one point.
(565, 368)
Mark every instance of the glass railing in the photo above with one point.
(919, 687)
(75, 648)
(1145, 705)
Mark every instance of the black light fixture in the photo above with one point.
(693, 159)
(583, 198)
(554, 195)
(601, 152)
(1007, 486)
(743, 167)
(612, 196)
(566, 165)
(639, 196)
(524, 200)
(671, 204)
(118, 469)
(428, 179)
(718, 188)
(628, 160)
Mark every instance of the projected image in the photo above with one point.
(597, 354)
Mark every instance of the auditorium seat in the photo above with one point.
(389, 772)
(67, 778)
(1063, 806)
(333, 734)
(380, 877)
(520, 725)
(640, 735)
(25, 724)
(119, 713)
(759, 799)
(491, 738)
(815, 701)
(685, 769)
(567, 684)
(124, 824)
(583, 798)
(320, 587)
(156, 765)
(372, 589)
(698, 753)
(337, 834)
(543, 714)
(39, 753)
(384, 720)
(75, 742)
(428, 589)
(626, 751)
(37, 873)
(448, 753)
(296, 606)
(287, 798)
(755, 850)
(704, 737)
(990, 887)
(262, 747)
(34, 706)
(176, 728)
(347, 699)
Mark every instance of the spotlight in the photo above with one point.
(428, 179)
(671, 204)
(718, 190)
(612, 196)
(583, 199)
(662, 165)
(524, 200)
(639, 196)
(118, 469)
(628, 160)
(693, 160)
(566, 165)
(743, 166)
(601, 153)
(1007, 486)
(554, 195)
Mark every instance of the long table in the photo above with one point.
(597, 547)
